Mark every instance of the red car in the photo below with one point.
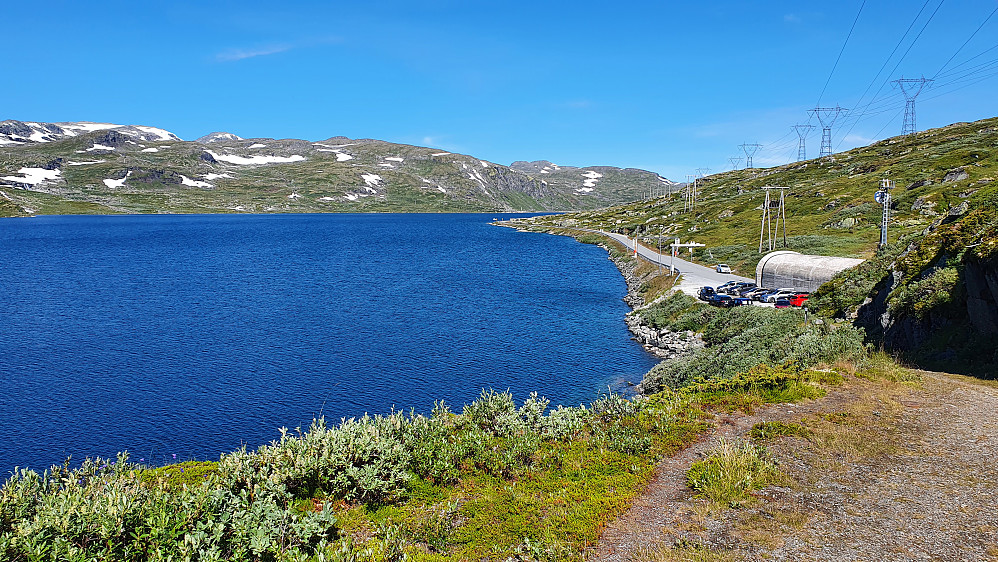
(798, 299)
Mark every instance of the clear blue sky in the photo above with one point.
(665, 86)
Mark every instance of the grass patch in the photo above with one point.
(731, 472)
(773, 429)
(685, 552)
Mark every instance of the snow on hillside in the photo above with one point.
(18, 132)
(255, 160)
(34, 176)
(218, 136)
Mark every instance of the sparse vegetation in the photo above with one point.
(731, 472)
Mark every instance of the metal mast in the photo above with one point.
(883, 196)
(802, 131)
(827, 116)
(749, 150)
(767, 218)
(910, 87)
(735, 161)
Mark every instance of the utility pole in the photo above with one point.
(883, 196)
(749, 150)
(767, 218)
(675, 248)
(802, 131)
(735, 161)
(910, 87)
(827, 117)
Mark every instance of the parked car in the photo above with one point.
(723, 301)
(747, 289)
(737, 287)
(722, 268)
(726, 286)
(782, 303)
(799, 299)
(705, 293)
(758, 292)
(742, 301)
(781, 294)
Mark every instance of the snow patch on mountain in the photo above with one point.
(255, 160)
(218, 136)
(34, 176)
(112, 184)
(194, 183)
(372, 180)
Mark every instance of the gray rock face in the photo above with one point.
(17, 128)
(956, 175)
(982, 296)
(111, 138)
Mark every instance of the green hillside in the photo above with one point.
(930, 295)
(830, 208)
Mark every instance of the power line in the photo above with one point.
(967, 41)
(888, 59)
(842, 50)
(908, 50)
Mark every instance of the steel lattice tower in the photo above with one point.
(910, 87)
(749, 150)
(735, 161)
(802, 131)
(827, 116)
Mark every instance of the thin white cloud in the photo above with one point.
(240, 54)
(791, 18)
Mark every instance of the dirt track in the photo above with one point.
(894, 471)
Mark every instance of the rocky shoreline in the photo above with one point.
(664, 344)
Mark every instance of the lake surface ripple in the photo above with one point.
(192, 335)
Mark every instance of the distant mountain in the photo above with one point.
(18, 132)
(215, 137)
(80, 168)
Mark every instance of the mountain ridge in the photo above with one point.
(106, 168)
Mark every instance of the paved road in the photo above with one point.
(694, 275)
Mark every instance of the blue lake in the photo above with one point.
(191, 335)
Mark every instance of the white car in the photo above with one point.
(780, 294)
(723, 268)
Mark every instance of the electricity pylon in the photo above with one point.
(749, 150)
(802, 131)
(827, 116)
(910, 87)
(735, 161)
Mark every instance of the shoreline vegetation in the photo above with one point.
(495, 481)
